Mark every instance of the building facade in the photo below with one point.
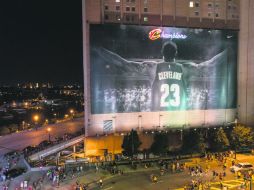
(207, 14)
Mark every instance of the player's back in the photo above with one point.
(168, 87)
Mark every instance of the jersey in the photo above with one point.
(168, 89)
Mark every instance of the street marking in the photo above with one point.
(236, 183)
(108, 188)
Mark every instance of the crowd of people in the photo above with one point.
(136, 98)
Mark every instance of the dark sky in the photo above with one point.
(40, 41)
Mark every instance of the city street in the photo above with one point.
(20, 140)
(141, 179)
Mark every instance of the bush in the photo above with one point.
(4, 130)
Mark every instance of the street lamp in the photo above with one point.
(48, 130)
(36, 118)
(72, 112)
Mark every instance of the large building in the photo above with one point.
(119, 32)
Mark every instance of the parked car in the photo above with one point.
(242, 167)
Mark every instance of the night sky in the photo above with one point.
(41, 41)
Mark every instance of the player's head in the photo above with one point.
(169, 50)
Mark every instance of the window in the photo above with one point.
(145, 1)
(118, 8)
(145, 9)
(127, 8)
(106, 17)
(216, 15)
(197, 4)
(117, 1)
(132, 18)
(210, 5)
(233, 16)
(133, 1)
(229, 7)
(145, 19)
(106, 7)
(196, 13)
(127, 18)
(209, 14)
(127, 1)
(191, 4)
(133, 9)
(217, 5)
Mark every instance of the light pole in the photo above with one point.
(48, 130)
(160, 120)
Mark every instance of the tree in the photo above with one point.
(131, 143)
(241, 136)
(160, 144)
(4, 130)
(13, 127)
(219, 140)
(193, 142)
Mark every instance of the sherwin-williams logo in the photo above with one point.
(158, 33)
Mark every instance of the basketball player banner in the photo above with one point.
(151, 69)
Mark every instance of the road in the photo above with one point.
(18, 141)
(141, 180)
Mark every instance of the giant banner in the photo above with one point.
(151, 69)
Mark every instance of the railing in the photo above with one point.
(56, 148)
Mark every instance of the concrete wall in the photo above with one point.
(246, 63)
(161, 120)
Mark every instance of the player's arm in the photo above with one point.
(129, 66)
(117, 60)
(192, 69)
(217, 59)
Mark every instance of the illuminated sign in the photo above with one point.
(155, 34)
(158, 33)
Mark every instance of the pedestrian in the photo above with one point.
(100, 183)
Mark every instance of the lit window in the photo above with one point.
(191, 4)
(133, 9)
(117, 1)
(145, 19)
(127, 8)
(145, 9)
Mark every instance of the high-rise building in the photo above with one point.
(213, 15)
